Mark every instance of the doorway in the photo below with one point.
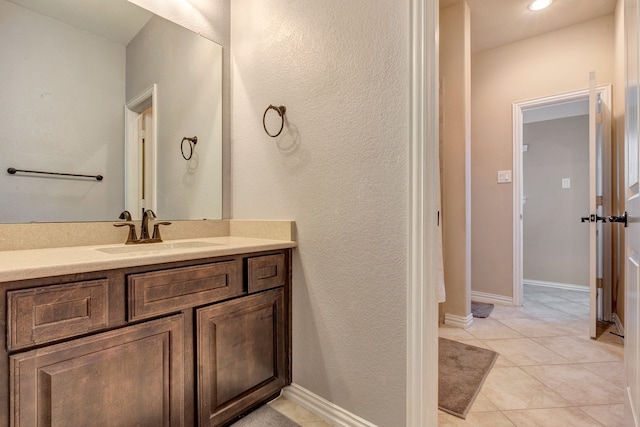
(140, 153)
(566, 265)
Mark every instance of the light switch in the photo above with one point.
(566, 182)
(504, 177)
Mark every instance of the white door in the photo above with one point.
(140, 153)
(632, 232)
(593, 217)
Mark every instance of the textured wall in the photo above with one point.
(340, 171)
(552, 63)
(455, 78)
(555, 243)
(51, 76)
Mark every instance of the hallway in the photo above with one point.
(549, 372)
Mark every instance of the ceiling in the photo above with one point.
(498, 22)
(116, 20)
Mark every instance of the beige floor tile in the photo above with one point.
(314, 424)
(576, 384)
(479, 419)
(574, 296)
(610, 371)
(525, 352)
(294, 411)
(571, 308)
(544, 297)
(508, 312)
(482, 404)
(611, 338)
(608, 415)
(543, 310)
(582, 349)
(512, 388)
(453, 333)
(491, 329)
(535, 327)
(557, 417)
(578, 327)
(501, 362)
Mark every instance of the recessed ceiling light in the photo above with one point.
(540, 4)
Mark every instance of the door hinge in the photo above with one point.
(599, 200)
(599, 283)
(598, 118)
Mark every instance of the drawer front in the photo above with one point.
(160, 292)
(265, 272)
(49, 313)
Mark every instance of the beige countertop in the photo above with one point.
(36, 263)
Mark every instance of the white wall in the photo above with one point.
(555, 242)
(340, 171)
(44, 89)
(187, 69)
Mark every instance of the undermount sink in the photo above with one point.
(152, 247)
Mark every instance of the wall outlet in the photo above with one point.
(566, 182)
(504, 177)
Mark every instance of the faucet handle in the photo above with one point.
(156, 229)
(126, 215)
(132, 231)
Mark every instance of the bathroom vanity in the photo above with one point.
(180, 336)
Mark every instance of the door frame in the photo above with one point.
(132, 111)
(518, 123)
(422, 289)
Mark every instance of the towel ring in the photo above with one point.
(281, 110)
(192, 145)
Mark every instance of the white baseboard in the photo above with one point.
(458, 321)
(491, 298)
(569, 286)
(618, 323)
(331, 413)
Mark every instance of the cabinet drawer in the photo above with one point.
(159, 292)
(265, 272)
(49, 313)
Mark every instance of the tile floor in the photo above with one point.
(297, 413)
(549, 373)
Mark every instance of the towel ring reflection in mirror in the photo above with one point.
(281, 110)
(192, 145)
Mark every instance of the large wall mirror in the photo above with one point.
(96, 87)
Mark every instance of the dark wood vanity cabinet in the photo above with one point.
(240, 354)
(188, 343)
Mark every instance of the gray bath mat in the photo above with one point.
(462, 369)
(481, 309)
(265, 416)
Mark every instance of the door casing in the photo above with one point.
(518, 111)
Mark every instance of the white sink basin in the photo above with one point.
(152, 247)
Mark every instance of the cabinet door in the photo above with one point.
(241, 355)
(129, 377)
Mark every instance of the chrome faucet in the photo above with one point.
(144, 228)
